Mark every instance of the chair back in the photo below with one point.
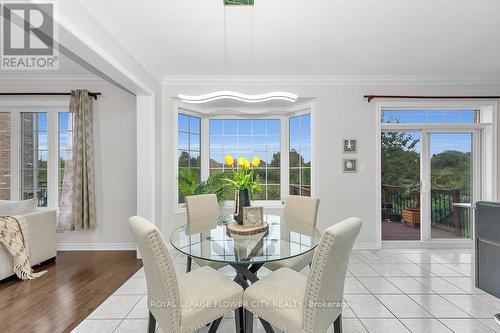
(325, 285)
(202, 212)
(163, 292)
(302, 209)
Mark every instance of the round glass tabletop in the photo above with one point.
(285, 238)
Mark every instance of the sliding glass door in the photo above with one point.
(427, 184)
(451, 180)
(400, 165)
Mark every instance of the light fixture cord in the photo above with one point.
(252, 72)
(225, 47)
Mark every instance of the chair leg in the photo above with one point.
(337, 324)
(239, 320)
(151, 323)
(215, 325)
(188, 264)
(267, 327)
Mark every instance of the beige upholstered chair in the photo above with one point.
(194, 300)
(301, 210)
(202, 212)
(311, 303)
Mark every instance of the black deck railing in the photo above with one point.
(444, 214)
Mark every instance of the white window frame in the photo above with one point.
(206, 114)
(485, 158)
(52, 108)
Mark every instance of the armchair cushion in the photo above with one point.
(206, 295)
(10, 208)
(278, 299)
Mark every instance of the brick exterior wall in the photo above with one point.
(5, 156)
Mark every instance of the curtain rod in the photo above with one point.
(370, 97)
(92, 94)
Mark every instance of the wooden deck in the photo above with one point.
(398, 231)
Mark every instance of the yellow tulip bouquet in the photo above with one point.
(244, 178)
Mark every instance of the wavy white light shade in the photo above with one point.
(216, 95)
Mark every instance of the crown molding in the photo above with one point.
(47, 79)
(104, 18)
(217, 80)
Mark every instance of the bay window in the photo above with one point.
(248, 138)
(189, 142)
(281, 141)
(300, 155)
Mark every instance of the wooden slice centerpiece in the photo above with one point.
(242, 230)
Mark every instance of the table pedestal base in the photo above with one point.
(244, 318)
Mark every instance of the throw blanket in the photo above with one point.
(14, 236)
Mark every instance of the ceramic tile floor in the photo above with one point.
(403, 290)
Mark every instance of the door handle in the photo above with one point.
(425, 186)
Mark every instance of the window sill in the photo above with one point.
(229, 205)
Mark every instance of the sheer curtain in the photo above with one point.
(77, 200)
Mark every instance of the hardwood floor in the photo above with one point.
(71, 289)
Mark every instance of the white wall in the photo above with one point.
(341, 112)
(115, 165)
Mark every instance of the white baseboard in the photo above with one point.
(433, 244)
(366, 246)
(96, 246)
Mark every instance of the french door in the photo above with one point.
(430, 178)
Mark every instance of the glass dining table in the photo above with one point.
(285, 238)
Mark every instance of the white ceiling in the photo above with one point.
(331, 38)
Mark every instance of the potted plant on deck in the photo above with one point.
(411, 214)
(245, 182)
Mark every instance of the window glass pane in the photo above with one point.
(230, 127)
(188, 141)
(183, 123)
(300, 155)
(34, 156)
(194, 125)
(248, 138)
(194, 142)
(273, 192)
(259, 127)
(244, 127)
(437, 116)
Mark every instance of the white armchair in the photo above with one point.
(186, 304)
(42, 233)
(301, 210)
(202, 212)
(311, 303)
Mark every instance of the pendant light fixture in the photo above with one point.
(238, 96)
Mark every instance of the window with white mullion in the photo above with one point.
(248, 138)
(189, 145)
(34, 157)
(29, 154)
(300, 155)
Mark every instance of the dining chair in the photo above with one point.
(296, 303)
(202, 213)
(185, 303)
(302, 210)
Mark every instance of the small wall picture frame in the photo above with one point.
(350, 165)
(253, 216)
(349, 146)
